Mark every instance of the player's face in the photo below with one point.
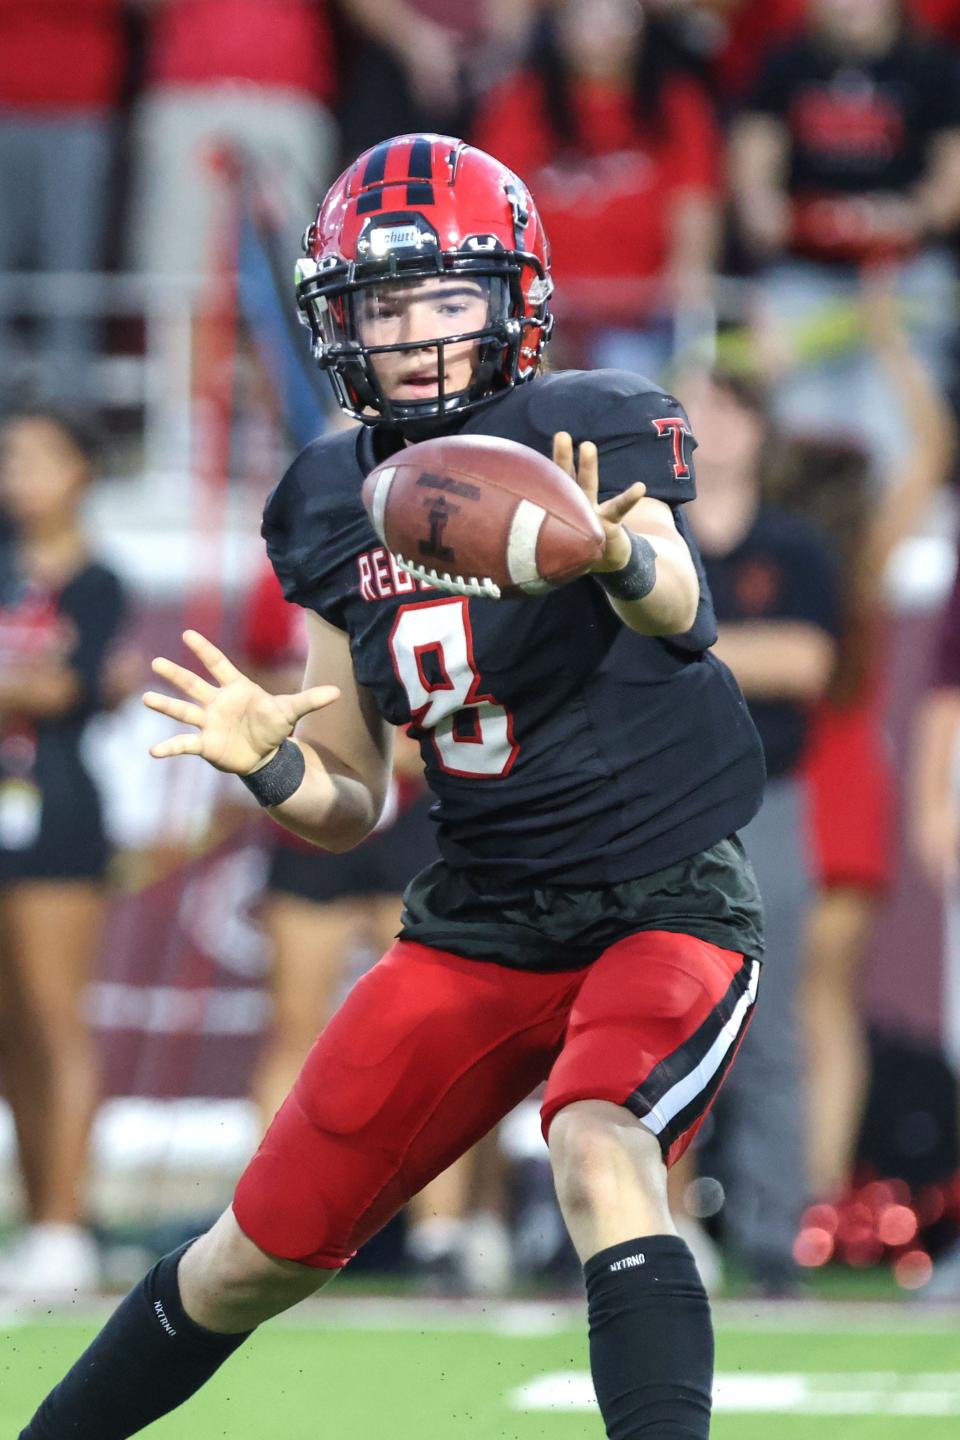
(42, 474)
(415, 314)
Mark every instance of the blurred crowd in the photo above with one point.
(756, 202)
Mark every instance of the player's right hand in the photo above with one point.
(238, 725)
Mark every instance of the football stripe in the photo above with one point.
(525, 529)
(378, 510)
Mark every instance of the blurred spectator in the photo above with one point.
(61, 69)
(774, 585)
(423, 63)
(849, 155)
(848, 767)
(622, 152)
(60, 613)
(934, 819)
(935, 799)
(256, 76)
(734, 36)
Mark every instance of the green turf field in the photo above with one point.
(355, 1370)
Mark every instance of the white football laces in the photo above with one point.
(456, 584)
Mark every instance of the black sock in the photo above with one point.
(651, 1340)
(148, 1358)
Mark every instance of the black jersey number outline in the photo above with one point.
(472, 735)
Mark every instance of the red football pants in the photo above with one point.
(429, 1051)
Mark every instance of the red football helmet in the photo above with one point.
(410, 209)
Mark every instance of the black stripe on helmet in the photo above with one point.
(373, 173)
(376, 166)
(420, 168)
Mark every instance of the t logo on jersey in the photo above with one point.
(675, 427)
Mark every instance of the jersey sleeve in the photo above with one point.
(310, 522)
(643, 434)
(280, 531)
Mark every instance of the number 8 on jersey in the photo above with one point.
(431, 646)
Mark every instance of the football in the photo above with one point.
(481, 516)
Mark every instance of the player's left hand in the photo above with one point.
(586, 472)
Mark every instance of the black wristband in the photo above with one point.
(638, 576)
(279, 778)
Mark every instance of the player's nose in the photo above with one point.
(420, 326)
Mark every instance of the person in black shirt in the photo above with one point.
(847, 156)
(592, 922)
(60, 612)
(773, 578)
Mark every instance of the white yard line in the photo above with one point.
(774, 1394)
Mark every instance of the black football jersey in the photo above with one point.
(559, 744)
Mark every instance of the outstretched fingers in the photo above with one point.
(185, 744)
(186, 680)
(588, 470)
(620, 505)
(181, 710)
(307, 701)
(222, 669)
(584, 468)
(563, 452)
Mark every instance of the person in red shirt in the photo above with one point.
(849, 766)
(934, 831)
(61, 69)
(609, 132)
(253, 75)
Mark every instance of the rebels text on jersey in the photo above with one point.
(559, 744)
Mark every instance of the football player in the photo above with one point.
(592, 922)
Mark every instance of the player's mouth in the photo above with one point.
(420, 383)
